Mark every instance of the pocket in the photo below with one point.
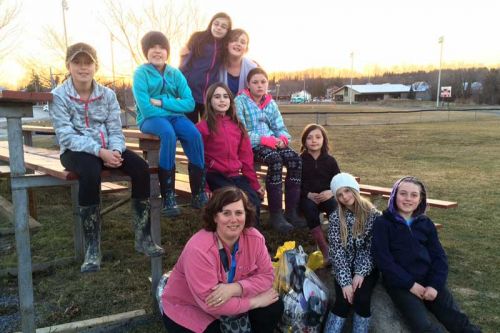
(246, 271)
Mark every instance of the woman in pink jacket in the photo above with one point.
(228, 152)
(224, 270)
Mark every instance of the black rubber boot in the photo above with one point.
(197, 183)
(279, 223)
(292, 197)
(90, 217)
(167, 190)
(142, 227)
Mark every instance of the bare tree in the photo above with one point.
(54, 41)
(128, 26)
(8, 14)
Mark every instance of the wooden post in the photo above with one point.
(14, 106)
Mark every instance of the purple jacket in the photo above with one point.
(201, 72)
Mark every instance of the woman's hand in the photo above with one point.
(325, 195)
(430, 294)
(222, 293)
(111, 159)
(418, 290)
(348, 293)
(264, 299)
(357, 281)
(261, 192)
(155, 102)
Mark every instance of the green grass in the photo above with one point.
(457, 160)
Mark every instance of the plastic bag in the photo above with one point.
(304, 295)
(159, 289)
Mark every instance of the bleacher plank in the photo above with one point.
(108, 187)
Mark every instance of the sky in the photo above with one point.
(292, 35)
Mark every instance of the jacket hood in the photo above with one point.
(391, 206)
(69, 89)
(266, 99)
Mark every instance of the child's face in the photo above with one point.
(157, 56)
(239, 46)
(407, 199)
(258, 85)
(346, 197)
(82, 69)
(220, 27)
(314, 141)
(220, 101)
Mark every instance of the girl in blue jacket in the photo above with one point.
(163, 98)
(201, 60)
(413, 263)
(270, 138)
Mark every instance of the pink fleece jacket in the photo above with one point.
(199, 269)
(227, 151)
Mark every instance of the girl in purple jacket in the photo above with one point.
(201, 60)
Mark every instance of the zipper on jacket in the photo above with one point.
(86, 109)
(207, 76)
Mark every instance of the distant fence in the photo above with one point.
(346, 118)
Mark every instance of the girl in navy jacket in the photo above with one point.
(201, 60)
(413, 263)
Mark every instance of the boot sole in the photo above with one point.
(152, 255)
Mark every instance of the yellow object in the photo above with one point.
(290, 245)
(315, 260)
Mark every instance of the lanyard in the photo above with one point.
(230, 270)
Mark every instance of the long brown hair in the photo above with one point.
(199, 39)
(308, 129)
(362, 208)
(210, 114)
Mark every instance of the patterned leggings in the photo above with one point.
(275, 159)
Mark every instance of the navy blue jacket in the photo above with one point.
(202, 71)
(406, 255)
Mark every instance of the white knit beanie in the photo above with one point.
(343, 179)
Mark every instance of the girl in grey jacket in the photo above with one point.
(86, 118)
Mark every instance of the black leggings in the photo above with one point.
(362, 297)
(263, 320)
(88, 168)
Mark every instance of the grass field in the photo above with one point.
(457, 160)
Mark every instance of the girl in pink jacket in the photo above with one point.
(228, 152)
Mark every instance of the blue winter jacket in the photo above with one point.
(202, 71)
(170, 87)
(408, 254)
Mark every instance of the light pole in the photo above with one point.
(112, 59)
(65, 7)
(440, 41)
(277, 91)
(352, 73)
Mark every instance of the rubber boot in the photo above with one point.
(167, 190)
(334, 324)
(292, 197)
(276, 218)
(319, 237)
(360, 324)
(279, 223)
(90, 217)
(197, 183)
(142, 227)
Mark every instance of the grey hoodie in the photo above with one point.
(86, 126)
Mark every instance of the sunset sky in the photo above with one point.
(291, 35)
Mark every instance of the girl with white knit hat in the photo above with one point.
(349, 235)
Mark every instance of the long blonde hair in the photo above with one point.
(362, 208)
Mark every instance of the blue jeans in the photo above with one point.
(311, 210)
(414, 310)
(170, 128)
